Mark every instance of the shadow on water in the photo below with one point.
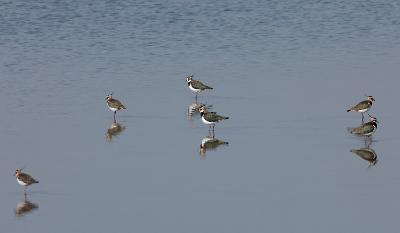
(114, 130)
(24, 207)
(367, 154)
(193, 109)
(210, 143)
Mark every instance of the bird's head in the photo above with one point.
(371, 98)
(17, 172)
(373, 119)
(202, 109)
(108, 97)
(189, 78)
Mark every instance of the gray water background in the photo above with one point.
(283, 71)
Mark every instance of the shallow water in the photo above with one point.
(283, 71)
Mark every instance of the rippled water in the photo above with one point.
(283, 71)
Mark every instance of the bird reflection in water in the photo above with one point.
(366, 153)
(114, 129)
(194, 108)
(25, 207)
(210, 143)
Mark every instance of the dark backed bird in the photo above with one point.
(210, 118)
(366, 129)
(24, 179)
(196, 86)
(363, 106)
(114, 104)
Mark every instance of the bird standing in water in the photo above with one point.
(210, 118)
(362, 107)
(114, 104)
(24, 179)
(366, 129)
(196, 86)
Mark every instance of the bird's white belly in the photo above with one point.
(363, 110)
(194, 90)
(112, 109)
(207, 122)
(21, 183)
(205, 140)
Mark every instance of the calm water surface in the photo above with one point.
(283, 71)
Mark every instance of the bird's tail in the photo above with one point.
(36, 181)
(226, 118)
(348, 110)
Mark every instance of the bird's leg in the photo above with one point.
(25, 191)
(213, 133)
(115, 112)
(362, 118)
(369, 140)
(196, 97)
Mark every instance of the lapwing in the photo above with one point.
(210, 118)
(210, 143)
(367, 154)
(196, 86)
(363, 106)
(114, 104)
(24, 179)
(366, 129)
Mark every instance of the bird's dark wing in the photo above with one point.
(214, 143)
(363, 129)
(27, 179)
(362, 105)
(199, 85)
(214, 117)
(114, 103)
